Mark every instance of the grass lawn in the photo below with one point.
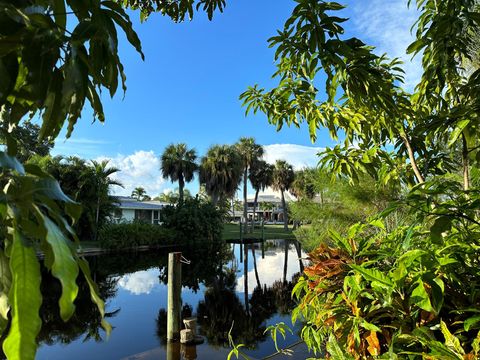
(90, 244)
(232, 232)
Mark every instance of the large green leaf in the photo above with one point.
(420, 297)
(82, 263)
(470, 322)
(451, 340)
(10, 162)
(51, 188)
(5, 283)
(374, 275)
(25, 300)
(64, 268)
(335, 351)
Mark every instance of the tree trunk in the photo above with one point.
(298, 247)
(255, 268)
(181, 185)
(285, 264)
(413, 161)
(215, 198)
(245, 205)
(285, 215)
(254, 209)
(466, 164)
(245, 278)
(97, 217)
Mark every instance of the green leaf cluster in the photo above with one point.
(31, 208)
(131, 235)
(408, 290)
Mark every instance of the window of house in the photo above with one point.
(156, 217)
(143, 216)
(117, 214)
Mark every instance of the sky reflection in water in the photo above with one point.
(215, 292)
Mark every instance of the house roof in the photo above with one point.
(272, 198)
(125, 202)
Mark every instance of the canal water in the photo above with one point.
(225, 288)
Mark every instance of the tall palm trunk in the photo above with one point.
(255, 268)
(245, 205)
(97, 217)
(215, 199)
(245, 278)
(285, 215)
(285, 264)
(298, 247)
(181, 185)
(254, 209)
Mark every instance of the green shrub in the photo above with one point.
(194, 221)
(131, 235)
(413, 290)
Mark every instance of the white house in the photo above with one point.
(269, 207)
(130, 209)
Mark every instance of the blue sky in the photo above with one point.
(187, 88)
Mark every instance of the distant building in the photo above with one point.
(130, 209)
(269, 208)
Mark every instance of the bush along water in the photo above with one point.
(132, 235)
(411, 293)
(194, 221)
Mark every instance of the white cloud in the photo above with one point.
(299, 156)
(270, 269)
(386, 25)
(141, 168)
(81, 147)
(140, 282)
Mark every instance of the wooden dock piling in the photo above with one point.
(174, 295)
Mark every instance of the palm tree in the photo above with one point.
(303, 186)
(173, 196)
(139, 193)
(102, 177)
(283, 177)
(220, 172)
(250, 152)
(261, 176)
(179, 164)
(102, 174)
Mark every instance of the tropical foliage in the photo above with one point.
(220, 172)
(172, 197)
(411, 291)
(55, 56)
(140, 194)
(131, 235)
(26, 138)
(283, 177)
(261, 177)
(250, 152)
(323, 205)
(179, 164)
(194, 221)
(87, 183)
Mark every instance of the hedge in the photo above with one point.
(132, 235)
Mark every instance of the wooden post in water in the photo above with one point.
(173, 350)
(174, 295)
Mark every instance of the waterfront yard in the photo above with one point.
(232, 231)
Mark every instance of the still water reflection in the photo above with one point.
(218, 289)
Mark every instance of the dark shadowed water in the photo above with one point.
(217, 288)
